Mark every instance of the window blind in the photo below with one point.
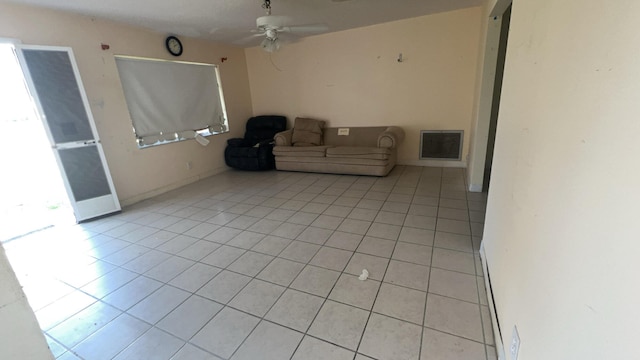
(170, 100)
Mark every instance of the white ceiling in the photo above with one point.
(230, 21)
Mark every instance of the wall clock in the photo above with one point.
(174, 46)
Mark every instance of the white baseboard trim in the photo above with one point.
(494, 323)
(475, 187)
(434, 163)
(161, 190)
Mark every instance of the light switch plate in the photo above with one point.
(343, 131)
(515, 344)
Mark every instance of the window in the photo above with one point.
(172, 101)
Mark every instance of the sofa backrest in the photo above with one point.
(358, 136)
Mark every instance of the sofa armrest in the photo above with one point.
(391, 137)
(283, 138)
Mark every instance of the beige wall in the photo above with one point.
(352, 78)
(561, 234)
(136, 173)
(20, 334)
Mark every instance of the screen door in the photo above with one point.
(54, 82)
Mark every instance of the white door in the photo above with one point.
(53, 79)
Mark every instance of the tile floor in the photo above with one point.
(265, 266)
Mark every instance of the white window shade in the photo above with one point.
(171, 100)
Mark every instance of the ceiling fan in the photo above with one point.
(272, 26)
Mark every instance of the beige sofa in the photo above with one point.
(365, 151)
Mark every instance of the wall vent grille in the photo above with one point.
(441, 144)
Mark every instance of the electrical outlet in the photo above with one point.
(515, 344)
(189, 165)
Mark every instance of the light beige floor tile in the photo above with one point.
(223, 256)
(454, 317)
(354, 226)
(295, 310)
(269, 342)
(225, 332)
(315, 280)
(303, 218)
(376, 266)
(257, 297)
(281, 271)
(384, 231)
(199, 250)
(224, 286)
(188, 318)
(352, 291)
(157, 305)
(300, 251)
(223, 235)
(417, 254)
(345, 241)
(363, 214)
(313, 349)
(316, 207)
(315, 235)
(153, 344)
(250, 263)
(441, 346)
(169, 269)
(453, 241)
(327, 222)
(401, 303)
(265, 226)
(195, 277)
(454, 226)
(246, 240)
(486, 325)
(271, 245)
(391, 218)
(339, 324)
(375, 246)
(406, 274)
(288, 230)
(337, 210)
(331, 258)
(454, 260)
(190, 352)
(391, 339)
(453, 284)
(416, 236)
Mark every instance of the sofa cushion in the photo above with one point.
(307, 132)
(310, 151)
(359, 152)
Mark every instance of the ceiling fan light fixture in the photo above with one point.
(270, 45)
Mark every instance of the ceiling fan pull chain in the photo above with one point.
(267, 6)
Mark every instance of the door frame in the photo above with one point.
(79, 209)
(478, 151)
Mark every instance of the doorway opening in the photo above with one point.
(32, 191)
(497, 92)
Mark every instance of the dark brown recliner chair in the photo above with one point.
(254, 151)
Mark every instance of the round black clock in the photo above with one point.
(174, 46)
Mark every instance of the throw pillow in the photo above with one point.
(307, 132)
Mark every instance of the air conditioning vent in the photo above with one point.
(441, 144)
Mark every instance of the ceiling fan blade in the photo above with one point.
(312, 28)
(248, 39)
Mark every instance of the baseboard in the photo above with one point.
(475, 188)
(434, 163)
(155, 192)
(494, 318)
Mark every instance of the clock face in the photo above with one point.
(174, 46)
